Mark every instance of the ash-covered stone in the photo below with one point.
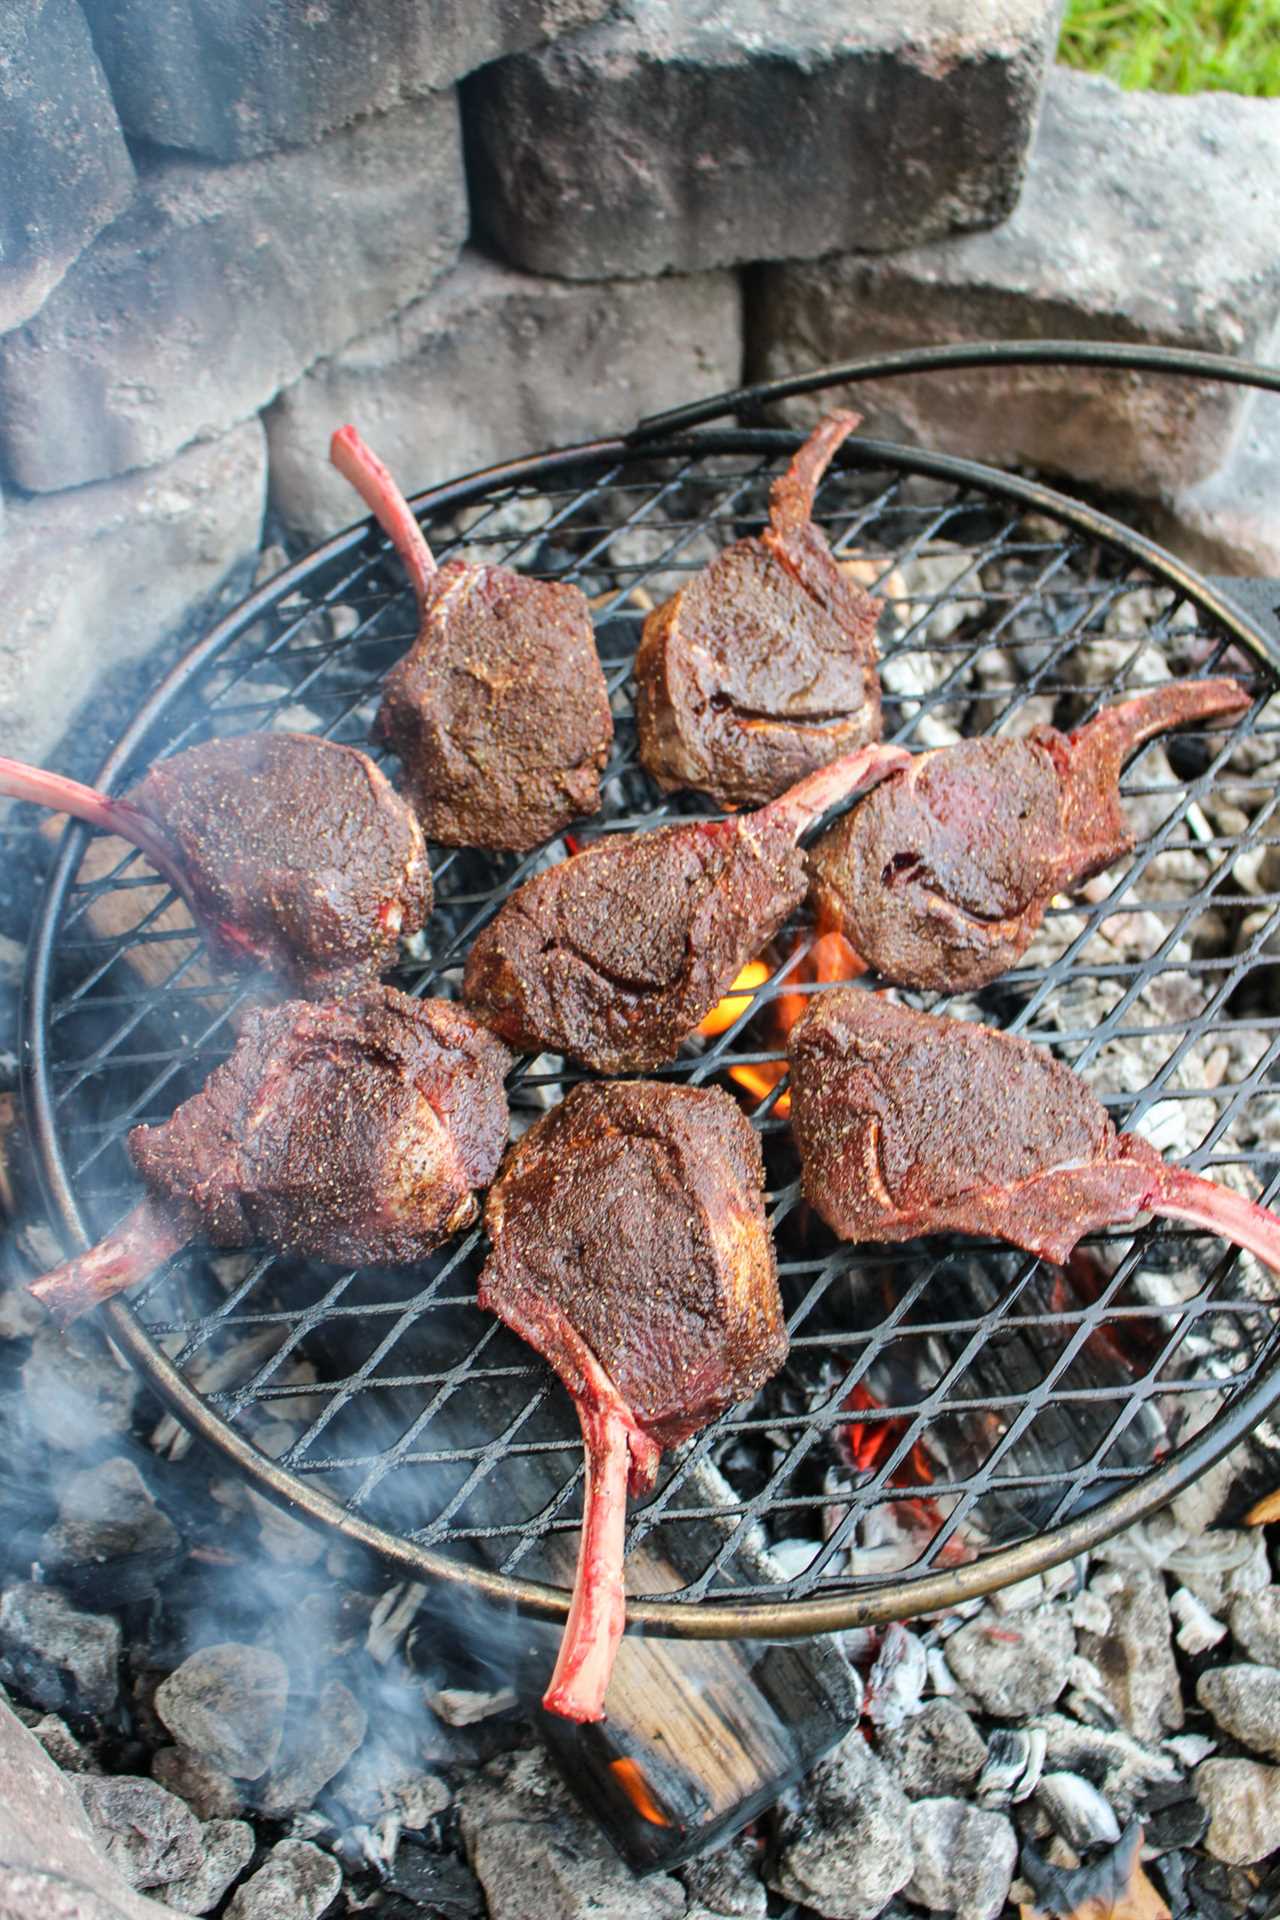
(1017, 1665)
(58, 1656)
(211, 1793)
(1245, 1702)
(148, 1835)
(222, 284)
(1068, 261)
(1123, 1769)
(964, 1859)
(297, 1881)
(319, 1739)
(844, 1844)
(1134, 1658)
(938, 1752)
(1255, 1625)
(451, 383)
(76, 1393)
(1243, 1799)
(63, 160)
(227, 1702)
(228, 1847)
(232, 77)
(534, 1850)
(728, 1882)
(111, 1544)
(768, 131)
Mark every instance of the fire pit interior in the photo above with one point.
(953, 1414)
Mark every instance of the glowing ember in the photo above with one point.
(726, 1011)
(636, 1788)
(829, 958)
(865, 1443)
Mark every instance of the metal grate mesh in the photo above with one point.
(942, 1401)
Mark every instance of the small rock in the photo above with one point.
(964, 1859)
(56, 1654)
(1255, 1625)
(227, 1702)
(1245, 1702)
(937, 1753)
(76, 1394)
(295, 1882)
(844, 1845)
(319, 1741)
(1243, 1799)
(533, 1849)
(1135, 1658)
(61, 1745)
(1014, 1667)
(208, 1791)
(111, 1539)
(228, 1849)
(148, 1834)
(728, 1882)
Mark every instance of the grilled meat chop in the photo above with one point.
(763, 668)
(614, 956)
(293, 853)
(630, 1248)
(353, 1132)
(498, 712)
(910, 1124)
(942, 876)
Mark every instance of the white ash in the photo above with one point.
(1198, 1629)
(1075, 1808)
(1015, 1760)
(467, 1706)
(1255, 1624)
(661, 559)
(844, 1845)
(1014, 1669)
(964, 1859)
(896, 1683)
(61, 1656)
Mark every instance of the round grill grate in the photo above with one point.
(953, 1414)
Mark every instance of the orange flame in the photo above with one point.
(636, 1788)
(726, 1011)
(828, 959)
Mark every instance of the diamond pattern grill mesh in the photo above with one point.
(941, 1401)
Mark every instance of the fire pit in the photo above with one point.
(954, 1417)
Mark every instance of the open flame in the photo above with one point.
(633, 1783)
(828, 959)
(865, 1443)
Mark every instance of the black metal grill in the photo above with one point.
(953, 1414)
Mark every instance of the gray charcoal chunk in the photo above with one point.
(964, 1859)
(56, 1654)
(1135, 1657)
(1243, 1800)
(1245, 1702)
(106, 1513)
(296, 1882)
(727, 1882)
(1255, 1625)
(227, 1703)
(148, 1834)
(1017, 1665)
(938, 1752)
(844, 1841)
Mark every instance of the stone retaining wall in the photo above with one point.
(483, 226)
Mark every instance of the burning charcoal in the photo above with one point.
(320, 1737)
(228, 1847)
(1015, 1757)
(727, 1882)
(1077, 1811)
(56, 1655)
(1243, 1799)
(522, 1831)
(1135, 1656)
(1014, 1668)
(1175, 1822)
(437, 1884)
(897, 1679)
(208, 1791)
(844, 1842)
(762, 668)
(937, 1753)
(1198, 1630)
(1112, 1883)
(293, 853)
(964, 1859)
(295, 1882)
(499, 712)
(1255, 1625)
(148, 1835)
(227, 1703)
(1245, 1702)
(1121, 1768)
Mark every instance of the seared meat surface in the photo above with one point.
(909, 1124)
(354, 1132)
(293, 853)
(614, 956)
(763, 667)
(941, 877)
(630, 1248)
(498, 712)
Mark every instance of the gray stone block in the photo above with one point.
(693, 135)
(230, 78)
(1230, 522)
(220, 285)
(493, 364)
(63, 160)
(1144, 217)
(98, 576)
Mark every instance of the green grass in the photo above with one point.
(1177, 46)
